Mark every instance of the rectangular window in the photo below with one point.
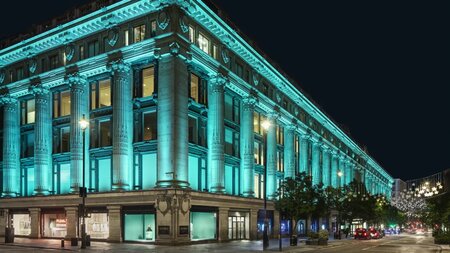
(198, 90)
(153, 28)
(93, 48)
(193, 130)
(203, 43)
(81, 53)
(150, 126)
(126, 37)
(232, 108)
(27, 145)
(148, 81)
(259, 153)
(231, 142)
(139, 33)
(215, 52)
(191, 34)
(62, 143)
(195, 83)
(105, 133)
(239, 70)
(101, 94)
(104, 173)
(61, 104)
(258, 119)
(53, 62)
(28, 111)
(20, 74)
(280, 135)
(280, 161)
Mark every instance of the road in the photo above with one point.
(389, 244)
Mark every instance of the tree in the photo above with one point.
(297, 198)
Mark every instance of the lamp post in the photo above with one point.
(266, 125)
(83, 192)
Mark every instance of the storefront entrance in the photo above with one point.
(238, 225)
(139, 224)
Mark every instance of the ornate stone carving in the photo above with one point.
(70, 52)
(184, 24)
(2, 76)
(163, 20)
(174, 48)
(32, 65)
(225, 55)
(217, 83)
(119, 67)
(113, 36)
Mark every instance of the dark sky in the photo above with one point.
(381, 68)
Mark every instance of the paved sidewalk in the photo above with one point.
(234, 246)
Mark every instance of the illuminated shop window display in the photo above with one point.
(22, 224)
(97, 225)
(139, 227)
(55, 225)
(203, 226)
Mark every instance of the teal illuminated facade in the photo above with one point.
(174, 151)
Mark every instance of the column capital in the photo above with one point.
(249, 101)
(306, 136)
(291, 127)
(39, 89)
(218, 82)
(75, 80)
(324, 147)
(119, 67)
(7, 100)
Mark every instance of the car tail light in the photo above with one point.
(376, 234)
(365, 234)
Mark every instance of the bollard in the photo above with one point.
(62, 243)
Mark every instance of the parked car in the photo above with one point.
(362, 233)
(374, 234)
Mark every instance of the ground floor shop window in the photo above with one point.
(97, 225)
(54, 225)
(203, 225)
(139, 227)
(22, 224)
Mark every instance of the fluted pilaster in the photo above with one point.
(172, 122)
(42, 140)
(271, 157)
(122, 125)
(348, 171)
(303, 156)
(79, 106)
(11, 146)
(326, 163)
(247, 146)
(341, 168)
(216, 130)
(315, 162)
(334, 170)
(289, 151)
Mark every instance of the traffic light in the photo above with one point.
(83, 192)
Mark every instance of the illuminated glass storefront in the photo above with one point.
(97, 225)
(54, 224)
(22, 224)
(139, 224)
(238, 225)
(203, 225)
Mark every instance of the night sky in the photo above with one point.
(378, 68)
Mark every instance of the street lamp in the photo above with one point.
(84, 124)
(339, 174)
(266, 126)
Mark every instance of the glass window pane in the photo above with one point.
(65, 139)
(97, 225)
(228, 107)
(139, 227)
(139, 33)
(104, 169)
(148, 81)
(195, 80)
(105, 134)
(65, 103)
(104, 93)
(228, 179)
(31, 110)
(193, 172)
(149, 168)
(150, 126)
(203, 226)
(64, 178)
(93, 96)
(203, 43)
(30, 181)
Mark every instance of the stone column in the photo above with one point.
(122, 125)
(271, 158)
(334, 170)
(276, 224)
(347, 172)
(326, 166)
(115, 222)
(247, 146)
(304, 153)
(79, 106)
(172, 122)
(35, 224)
(5, 221)
(11, 146)
(223, 224)
(72, 222)
(253, 224)
(42, 140)
(341, 168)
(216, 134)
(315, 161)
(289, 151)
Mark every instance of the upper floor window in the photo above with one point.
(259, 153)
(191, 34)
(150, 126)
(126, 37)
(148, 82)
(232, 108)
(81, 53)
(139, 33)
(239, 69)
(215, 52)
(61, 143)
(101, 94)
(20, 73)
(203, 43)
(61, 104)
(53, 61)
(93, 48)
(28, 112)
(198, 90)
(231, 142)
(101, 133)
(258, 119)
(280, 161)
(27, 146)
(280, 135)
(153, 28)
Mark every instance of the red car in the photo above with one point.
(362, 233)
(374, 234)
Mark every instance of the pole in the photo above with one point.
(266, 221)
(280, 243)
(84, 192)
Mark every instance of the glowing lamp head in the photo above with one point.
(83, 123)
(340, 173)
(266, 125)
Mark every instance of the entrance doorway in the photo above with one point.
(236, 228)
